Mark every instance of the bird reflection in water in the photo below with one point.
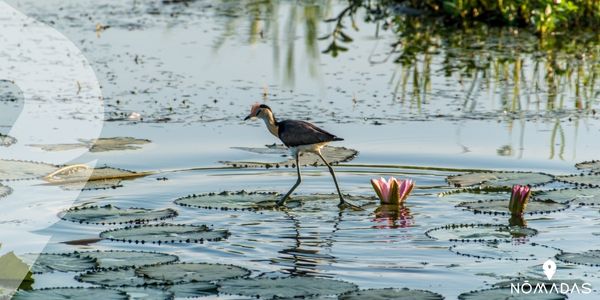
(309, 250)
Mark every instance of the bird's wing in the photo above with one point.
(295, 133)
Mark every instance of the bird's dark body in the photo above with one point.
(295, 133)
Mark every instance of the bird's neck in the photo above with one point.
(271, 124)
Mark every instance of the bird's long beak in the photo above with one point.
(247, 117)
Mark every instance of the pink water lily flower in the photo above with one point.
(392, 191)
(519, 199)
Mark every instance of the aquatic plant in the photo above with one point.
(392, 191)
(71, 293)
(97, 145)
(286, 287)
(587, 258)
(110, 215)
(24, 170)
(582, 180)
(505, 293)
(333, 155)
(579, 196)
(519, 198)
(479, 233)
(165, 233)
(502, 250)
(498, 180)
(123, 277)
(499, 207)
(191, 272)
(58, 262)
(113, 259)
(391, 293)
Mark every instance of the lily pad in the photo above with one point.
(98, 145)
(589, 180)
(5, 190)
(119, 259)
(499, 179)
(587, 258)
(241, 200)
(193, 289)
(390, 293)
(110, 215)
(504, 251)
(83, 173)
(593, 165)
(191, 272)
(254, 201)
(6, 140)
(332, 154)
(117, 278)
(578, 196)
(500, 207)
(23, 170)
(505, 293)
(479, 232)
(289, 287)
(71, 293)
(147, 293)
(58, 262)
(165, 233)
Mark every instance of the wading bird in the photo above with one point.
(298, 136)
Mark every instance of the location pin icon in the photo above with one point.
(549, 268)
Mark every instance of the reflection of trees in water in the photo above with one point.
(280, 24)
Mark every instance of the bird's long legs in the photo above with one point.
(337, 186)
(282, 200)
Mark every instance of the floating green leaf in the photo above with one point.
(119, 259)
(500, 207)
(504, 251)
(241, 200)
(332, 154)
(479, 232)
(505, 293)
(147, 293)
(117, 278)
(578, 196)
(109, 214)
(390, 293)
(588, 258)
(98, 145)
(193, 290)
(499, 179)
(22, 170)
(593, 165)
(83, 173)
(289, 287)
(71, 293)
(59, 262)
(589, 180)
(165, 233)
(191, 272)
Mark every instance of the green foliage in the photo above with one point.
(544, 16)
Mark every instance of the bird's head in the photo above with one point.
(258, 110)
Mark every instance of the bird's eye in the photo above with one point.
(258, 112)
